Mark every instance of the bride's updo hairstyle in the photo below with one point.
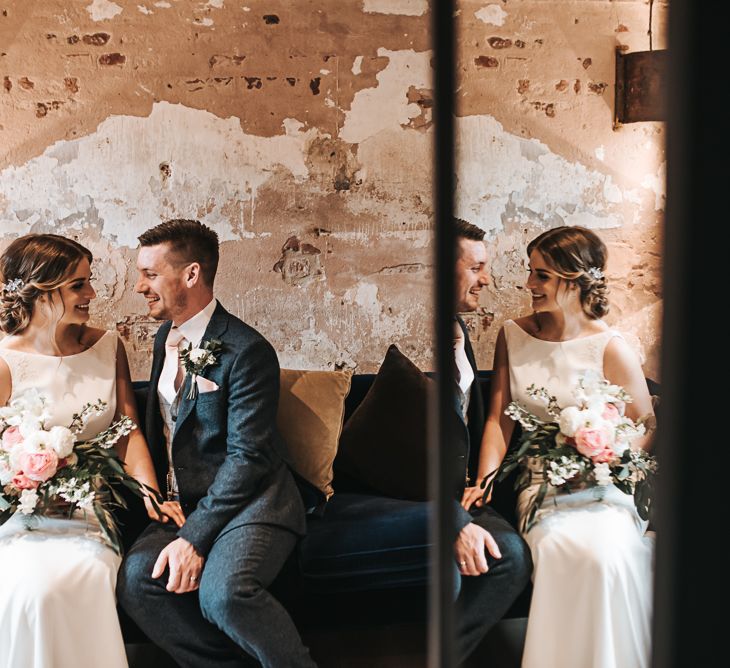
(31, 266)
(577, 255)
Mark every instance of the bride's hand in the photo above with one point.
(169, 510)
(473, 497)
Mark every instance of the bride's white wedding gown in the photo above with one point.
(592, 596)
(57, 603)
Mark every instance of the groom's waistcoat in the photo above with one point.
(470, 430)
(226, 452)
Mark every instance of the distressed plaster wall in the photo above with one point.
(538, 149)
(298, 131)
(301, 132)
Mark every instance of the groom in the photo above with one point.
(493, 561)
(199, 590)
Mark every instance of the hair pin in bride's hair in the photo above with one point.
(14, 285)
(595, 273)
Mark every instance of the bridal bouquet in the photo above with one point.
(586, 444)
(44, 469)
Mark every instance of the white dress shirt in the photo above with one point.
(464, 372)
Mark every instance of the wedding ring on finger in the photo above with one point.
(462, 564)
(193, 578)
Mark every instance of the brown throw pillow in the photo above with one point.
(383, 444)
(311, 411)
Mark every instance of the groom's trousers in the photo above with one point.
(483, 599)
(232, 616)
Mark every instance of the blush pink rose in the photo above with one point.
(22, 481)
(40, 465)
(611, 413)
(604, 457)
(592, 442)
(11, 438)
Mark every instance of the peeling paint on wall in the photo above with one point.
(492, 14)
(537, 149)
(102, 10)
(214, 162)
(384, 106)
(304, 139)
(404, 7)
(531, 184)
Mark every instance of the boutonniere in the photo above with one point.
(196, 360)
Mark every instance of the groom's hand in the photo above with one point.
(470, 549)
(184, 563)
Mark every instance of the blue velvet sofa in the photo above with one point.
(364, 560)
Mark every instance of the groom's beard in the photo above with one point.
(179, 305)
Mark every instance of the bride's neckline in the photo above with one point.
(58, 357)
(577, 338)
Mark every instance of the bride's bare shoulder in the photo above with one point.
(91, 336)
(527, 323)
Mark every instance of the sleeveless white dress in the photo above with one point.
(592, 579)
(57, 602)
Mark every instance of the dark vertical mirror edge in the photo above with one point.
(690, 564)
(441, 613)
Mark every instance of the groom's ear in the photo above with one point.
(192, 274)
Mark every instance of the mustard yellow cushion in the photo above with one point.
(311, 411)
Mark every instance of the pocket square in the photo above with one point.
(205, 385)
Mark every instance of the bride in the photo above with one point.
(591, 602)
(57, 605)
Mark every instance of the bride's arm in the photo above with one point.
(621, 366)
(498, 427)
(133, 449)
(6, 383)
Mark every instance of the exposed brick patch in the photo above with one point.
(486, 61)
(97, 39)
(112, 59)
(597, 87)
(499, 43)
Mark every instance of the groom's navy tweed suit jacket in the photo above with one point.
(228, 457)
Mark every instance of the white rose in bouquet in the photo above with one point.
(37, 439)
(28, 411)
(61, 439)
(570, 420)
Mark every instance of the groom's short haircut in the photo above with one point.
(190, 241)
(466, 230)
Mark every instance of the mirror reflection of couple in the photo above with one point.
(196, 579)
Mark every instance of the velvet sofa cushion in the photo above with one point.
(365, 542)
(383, 447)
(309, 419)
